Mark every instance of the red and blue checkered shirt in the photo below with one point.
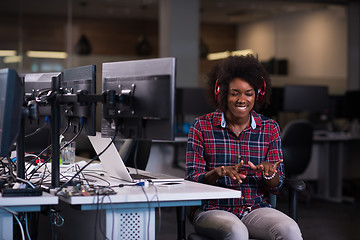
(212, 143)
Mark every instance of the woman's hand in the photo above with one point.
(230, 171)
(265, 167)
(269, 171)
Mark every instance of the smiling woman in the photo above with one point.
(235, 147)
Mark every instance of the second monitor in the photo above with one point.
(140, 99)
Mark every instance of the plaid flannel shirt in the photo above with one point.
(212, 143)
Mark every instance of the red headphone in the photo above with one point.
(217, 90)
(261, 91)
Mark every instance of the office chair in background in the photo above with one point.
(297, 140)
(140, 149)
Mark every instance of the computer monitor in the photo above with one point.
(351, 104)
(190, 103)
(276, 103)
(11, 102)
(37, 130)
(306, 98)
(80, 80)
(140, 99)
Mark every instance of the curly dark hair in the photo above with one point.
(247, 68)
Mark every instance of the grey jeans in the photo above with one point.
(262, 223)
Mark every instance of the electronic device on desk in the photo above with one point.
(11, 102)
(79, 80)
(351, 105)
(37, 131)
(189, 104)
(309, 98)
(140, 97)
(312, 99)
(21, 192)
(276, 103)
(140, 103)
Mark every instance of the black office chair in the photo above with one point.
(135, 148)
(297, 139)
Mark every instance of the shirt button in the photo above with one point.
(239, 156)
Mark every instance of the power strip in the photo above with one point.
(11, 192)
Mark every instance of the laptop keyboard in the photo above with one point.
(137, 176)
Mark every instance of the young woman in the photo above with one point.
(235, 147)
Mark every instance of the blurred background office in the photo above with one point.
(300, 42)
(311, 49)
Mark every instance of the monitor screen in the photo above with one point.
(140, 99)
(11, 102)
(351, 104)
(276, 103)
(80, 80)
(192, 101)
(305, 98)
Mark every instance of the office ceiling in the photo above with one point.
(215, 11)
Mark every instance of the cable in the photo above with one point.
(26, 181)
(47, 160)
(113, 216)
(97, 217)
(77, 166)
(159, 209)
(21, 227)
(38, 156)
(37, 130)
(88, 163)
(27, 227)
(142, 188)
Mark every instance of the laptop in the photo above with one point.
(115, 167)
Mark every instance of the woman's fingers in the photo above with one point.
(256, 168)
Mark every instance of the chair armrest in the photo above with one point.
(296, 184)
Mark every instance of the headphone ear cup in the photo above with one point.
(261, 93)
(217, 90)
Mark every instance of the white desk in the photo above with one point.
(129, 211)
(21, 204)
(332, 154)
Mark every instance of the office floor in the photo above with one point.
(317, 219)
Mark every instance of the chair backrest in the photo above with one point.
(297, 140)
(140, 149)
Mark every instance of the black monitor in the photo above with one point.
(37, 130)
(11, 102)
(306, 98)
(80, 80)
(351, 104)
(276, 103)
(192, 101)
(140, 99)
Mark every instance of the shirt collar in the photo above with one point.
(253, 121)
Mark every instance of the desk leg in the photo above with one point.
(130, 223)
(181, 219)
(324, 170)
(6, 225)
(337, 158)
(331, 171)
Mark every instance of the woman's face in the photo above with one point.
(241, 99)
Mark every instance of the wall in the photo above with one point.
(314, 43)
(110, 39)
